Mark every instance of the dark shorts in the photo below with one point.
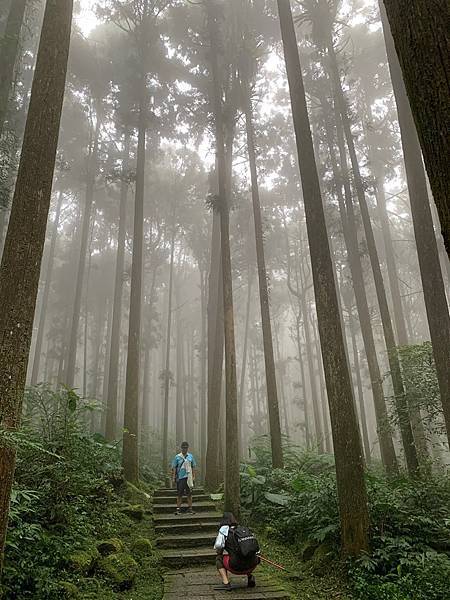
(182, 488)
(223, 561)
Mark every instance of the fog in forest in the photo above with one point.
(271, 290)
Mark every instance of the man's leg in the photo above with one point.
(222, 571)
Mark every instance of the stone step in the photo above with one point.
(173, 492)
(187, 528)
(172, 498)
(205, 518)
(193, 540)
(199, 507)
(186, 557)
(238, 594)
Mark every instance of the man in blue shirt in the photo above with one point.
(183, 474)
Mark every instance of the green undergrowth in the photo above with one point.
(316, 580)
(77, 529)
(410, 527)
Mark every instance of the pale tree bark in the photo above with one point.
(113, 368)
(242, 387)
(430, 271)
(9, 50)
(232, 478)
(130, 455)
(271, 380)
(46, 293)
(215, 357)
(92, 168)
(165, 463)
(421, 33)
(22, 256)
(352, 495)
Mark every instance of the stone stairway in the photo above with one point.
(186, 546)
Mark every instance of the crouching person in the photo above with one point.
(237, 552)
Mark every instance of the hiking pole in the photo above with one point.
(269, 562)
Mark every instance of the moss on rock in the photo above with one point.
(121, 569)
(83, 561)
(135, 511)
(111, 546)
(142, 547)
(134, 495)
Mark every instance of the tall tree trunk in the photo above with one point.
(46, 293)
(203, 371)
(422, 39)
(92, 168)
(22, 256)
(271, 380)
(232, 478)
(431, 274)
(388, 331)
(349, 227)
(244, 361)
(352, 494)
(130, 456)
(9, 50)
(113, 369)
(180, 374)
(165, 463)
(323, 400)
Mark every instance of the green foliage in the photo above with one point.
(421, 384)
(410, 525)
(65, 489)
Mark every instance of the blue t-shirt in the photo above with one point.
(178, 461)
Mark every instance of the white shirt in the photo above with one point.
(221, 538)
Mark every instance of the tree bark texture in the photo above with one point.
(421, 33)
(352, 495)
(130, 456)
(427, 250)
(24, 244)
(232, 477)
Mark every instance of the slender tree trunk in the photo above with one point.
(165, 462)
(431, 274)
(271, 380)
(215, 357)
(130, 456)
(352, 494)
(422, 40)
(349, 227)
(21, 262)
(113, 369)
(232, 478)
(92, 168)
(323, 400)
(244, 360)
(394, 364)
(362, 407)
(180, 375)
(9, 50)
(203, 371)
(46, 293)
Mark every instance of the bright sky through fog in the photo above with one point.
(86, 19)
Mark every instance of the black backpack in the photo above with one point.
(241, 543)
